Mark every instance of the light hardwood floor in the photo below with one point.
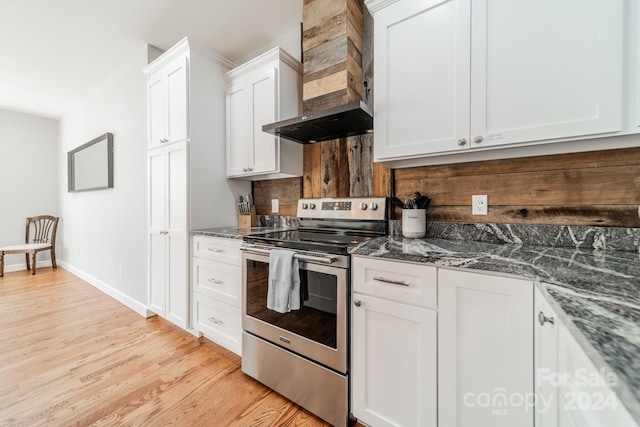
(72, 356)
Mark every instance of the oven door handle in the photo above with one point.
(323, 259)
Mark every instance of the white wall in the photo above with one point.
(106, 229)
(288, 41)
(28, 176)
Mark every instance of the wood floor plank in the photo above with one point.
(72, 356)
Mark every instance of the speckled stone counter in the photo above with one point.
(267, 224)
(233, 232)
(597, 292)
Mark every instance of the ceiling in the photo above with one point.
(52, 53)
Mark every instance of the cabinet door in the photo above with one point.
(265, 110)
(485, 350)
(635, 28)
(546, 361)
(422, 73)
(177, 99)
(156, 220)
(394, 368)
(156, 108)
(239, 122)
(545, 69)
(178, 234)
(585, 395)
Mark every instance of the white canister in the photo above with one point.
(414, 223)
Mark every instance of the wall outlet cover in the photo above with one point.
(275, 205)
(479, 205)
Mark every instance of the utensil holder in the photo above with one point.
(414, 223)
(248, 221)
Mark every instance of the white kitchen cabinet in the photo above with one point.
(422, 73)
(570, 391)
(168, 115)
(485, 350)
(394, 338)
(168, 287)
(634, 28)
(217, 290)
(187, 185)
(451, 77)
(546, 324)
(262, 91)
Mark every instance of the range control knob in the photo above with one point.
(312, 205)
(363, 206)
(305, 206)
(374, 206)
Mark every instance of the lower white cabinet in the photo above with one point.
(394, 365)
(217, 290)
(218, 321)
(485, 350)
(571, 392)
(168, 235)
(440, 347)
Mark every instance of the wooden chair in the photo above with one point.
(43, 238)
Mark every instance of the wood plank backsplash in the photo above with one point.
(593, 188)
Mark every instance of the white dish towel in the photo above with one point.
(283, 293)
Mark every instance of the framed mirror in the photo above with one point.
(90, 166)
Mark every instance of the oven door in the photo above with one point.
(318, 331)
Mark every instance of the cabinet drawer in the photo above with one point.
(218, 321)
(397, 281)
(217, 249)
(217, 280)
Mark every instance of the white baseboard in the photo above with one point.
(114, 293)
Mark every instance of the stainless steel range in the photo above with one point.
(303, 354)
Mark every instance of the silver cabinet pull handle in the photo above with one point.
(462, 142)
(216, 321)
(215, 249)
(477, 139)
(543, 319)
(357, 303)
(394, 282)
(216, 281)
(324, 259)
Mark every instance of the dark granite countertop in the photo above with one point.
(596, 292)
(233, 232)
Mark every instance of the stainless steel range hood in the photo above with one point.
(350, 119)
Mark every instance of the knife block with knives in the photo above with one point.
(246, 212)
(248, 221)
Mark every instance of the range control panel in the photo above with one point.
(363, 208)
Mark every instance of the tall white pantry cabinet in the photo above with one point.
(187, 187)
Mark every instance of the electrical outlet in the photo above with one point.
(275, 206)
(120, 270)
(479, 205)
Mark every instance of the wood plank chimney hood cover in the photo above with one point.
(342, 121)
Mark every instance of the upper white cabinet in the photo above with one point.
(168, 115)
(262, 91)
(187, 186)
(485, 350)
(421, 101)
(457, 75)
